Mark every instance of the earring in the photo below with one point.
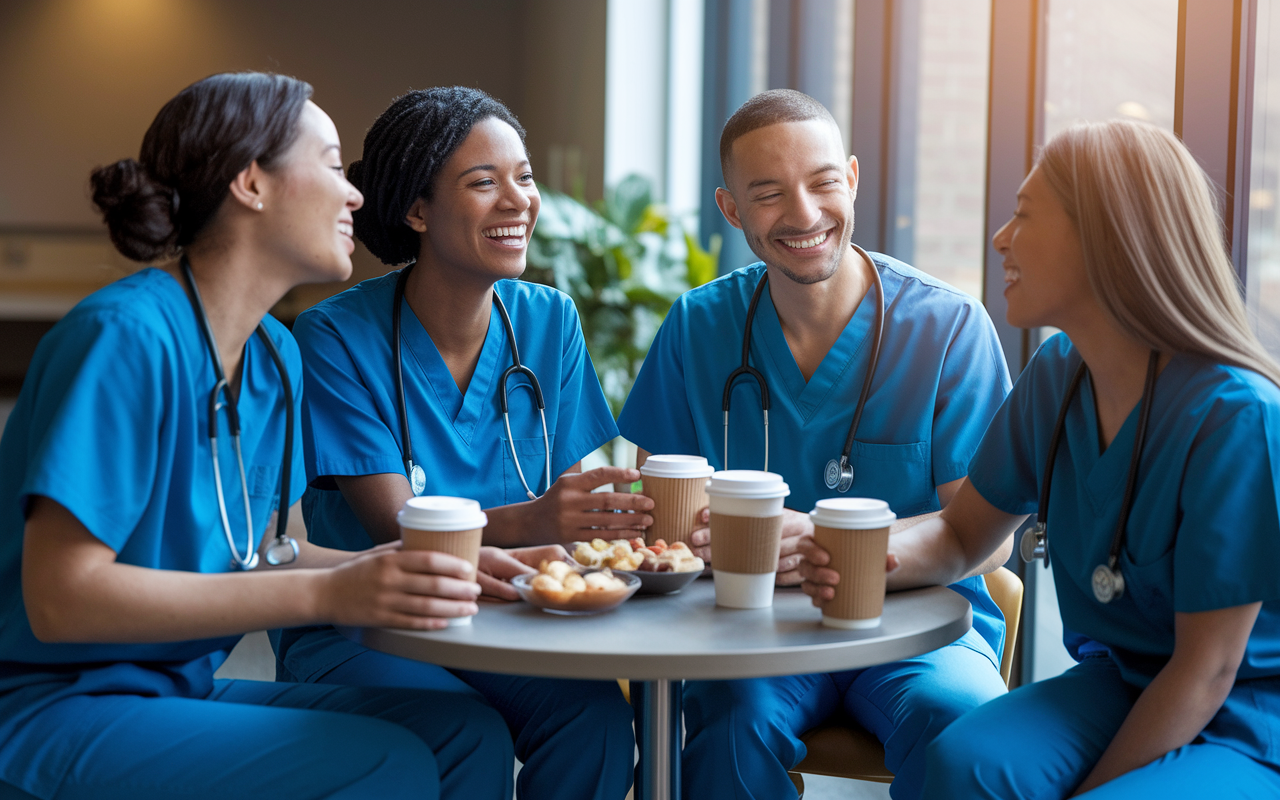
(259, 205)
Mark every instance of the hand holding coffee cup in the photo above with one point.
(746, 533)
(677, 485)
(452, 525)
(853, 534)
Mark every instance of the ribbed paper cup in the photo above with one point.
(855, 531)
(678, 487)
(453, 525)
(746, 534)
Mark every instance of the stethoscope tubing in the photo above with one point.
(516, 368)
(284, 549)
(1108, 581)
(845, 471)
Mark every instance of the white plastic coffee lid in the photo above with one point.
(852, 513)
(676, 467)
(434, 513)
(747, 483)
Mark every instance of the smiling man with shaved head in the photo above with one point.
(940, 377)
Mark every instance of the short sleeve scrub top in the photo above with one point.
(1203, 534)
(940, 378)
(112, 424)
(351, 417)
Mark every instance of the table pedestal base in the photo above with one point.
(660, 735)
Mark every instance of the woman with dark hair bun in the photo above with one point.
(428, 351)
(146, 441)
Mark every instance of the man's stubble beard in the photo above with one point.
(757, 246)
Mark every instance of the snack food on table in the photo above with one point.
(635, 555)
(557, 582)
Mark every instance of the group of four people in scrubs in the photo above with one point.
(110, 635)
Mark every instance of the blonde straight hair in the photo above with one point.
(1152, 241)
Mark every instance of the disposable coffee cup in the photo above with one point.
(452, 525)
(678, 487)
(746, 533)
(855, 531)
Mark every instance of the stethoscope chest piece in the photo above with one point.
(839, 475)
(282, 551)
(1033, 544)
(417, 480)
(1108, 584)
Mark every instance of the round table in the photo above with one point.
(660, 641)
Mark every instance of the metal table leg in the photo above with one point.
(660, 736)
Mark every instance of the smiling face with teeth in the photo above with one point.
(483, 207)
(1044, 273)
(791, 191)
(307, 203)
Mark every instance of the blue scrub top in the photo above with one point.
(112, 423)
(940, 378)
(1204, 531)
(352, 421)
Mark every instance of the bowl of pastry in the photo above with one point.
(661, 568)
(560, 588)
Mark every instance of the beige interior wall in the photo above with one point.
(562, 91)
(80, 80)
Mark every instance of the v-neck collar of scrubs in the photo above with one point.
(853, 341)
(1107, 470)
(463, 410)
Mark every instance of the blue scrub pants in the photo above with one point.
(573, 737)
(251, 739)
(1042, 740)
(742, 736)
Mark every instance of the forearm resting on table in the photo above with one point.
(75, 591)
(969, 537)
(1184, 696)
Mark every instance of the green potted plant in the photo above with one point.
(624, 262)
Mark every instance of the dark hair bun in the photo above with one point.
(197, 144)
(138, 210)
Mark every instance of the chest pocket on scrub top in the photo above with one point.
(1151, 587)
(899, 471)
(533, 460)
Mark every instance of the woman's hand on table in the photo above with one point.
(571, 511)
(499, 566)
(391, 587)
(819, 580)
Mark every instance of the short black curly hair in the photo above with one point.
(403, 154)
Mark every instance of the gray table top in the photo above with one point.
(681, 636)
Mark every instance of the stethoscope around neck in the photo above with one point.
(838, 475)
(1108, 582)
(418, 477)
(284, 550)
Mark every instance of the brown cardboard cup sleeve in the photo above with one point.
(745, 545)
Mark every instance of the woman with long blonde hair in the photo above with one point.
(1146, 437)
